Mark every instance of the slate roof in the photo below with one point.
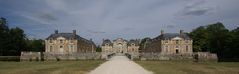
(136, 42)
(121, 39)
(107, 41)
(167, 36)
(68, 36)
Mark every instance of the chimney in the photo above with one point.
(162, 32)
(56, 31)
(74, 32)
(181, 33)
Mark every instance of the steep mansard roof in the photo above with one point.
(136, 42)
(106, 41)
(68, 36)
(120, 39)
(168, 36)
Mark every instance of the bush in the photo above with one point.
(9, 58)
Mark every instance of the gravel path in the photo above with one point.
(120, 65)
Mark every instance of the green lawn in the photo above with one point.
(173, 67)
(49, 67)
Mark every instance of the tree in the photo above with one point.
(200, 39)
(217, 38)
(231, 52)
(98, 49)
(142, 43)
(18, 41)
(4, 36)
(35, 45)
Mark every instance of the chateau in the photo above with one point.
(119, 46)
(166, 46)
(169, 43)
(66, 43)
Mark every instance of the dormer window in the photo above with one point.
(132, 44)
(50, 41)
(71, 40)
(166, 41)
(61, 41)
(186, 41)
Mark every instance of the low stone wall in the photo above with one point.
(197, 57)
(30, 56)
(71, 56)
(205, 57)
(159, 56)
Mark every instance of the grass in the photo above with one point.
(49, 67)
(173, 67)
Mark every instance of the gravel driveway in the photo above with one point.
(120, 65)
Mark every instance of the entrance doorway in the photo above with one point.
(177, 51)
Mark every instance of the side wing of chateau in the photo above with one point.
(69, 46)
(66, 43)
(169, 43)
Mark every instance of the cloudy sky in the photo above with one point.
(129, 19)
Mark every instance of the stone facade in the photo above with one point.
(67, 44)
(169, 43)
(119, 46)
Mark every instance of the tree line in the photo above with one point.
(14, 40)
(215, 38)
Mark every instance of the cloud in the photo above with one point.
(46, 17)
(197, 12)
(111, 19)
(196, 8)
(96, 32)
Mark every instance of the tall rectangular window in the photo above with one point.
(166, 48)
(186, 48)
(50, 48)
